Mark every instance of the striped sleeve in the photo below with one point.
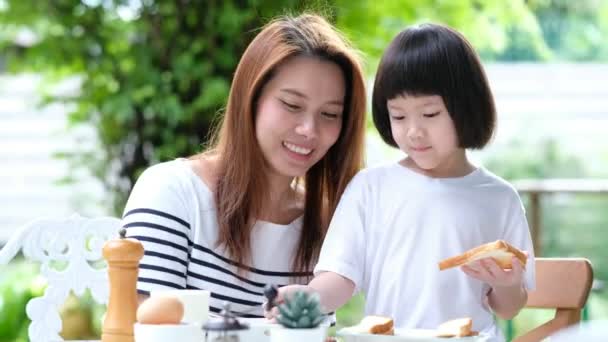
(156, 215)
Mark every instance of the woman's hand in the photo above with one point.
(284, 292)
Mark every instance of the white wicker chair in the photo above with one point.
(76, 243)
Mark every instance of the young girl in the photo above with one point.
(394, 223)
(254, 208)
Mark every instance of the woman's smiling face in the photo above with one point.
(299, 114)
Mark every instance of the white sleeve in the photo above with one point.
(156, 214)
(343, 250)
(517, 233)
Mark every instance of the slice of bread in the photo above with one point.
(377, 325)
(389, 332)
(456, 328)
(499, 250)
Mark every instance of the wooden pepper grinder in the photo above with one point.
(123, 257)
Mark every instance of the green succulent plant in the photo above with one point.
(300, 311)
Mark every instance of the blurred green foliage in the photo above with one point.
(489, 24)
(573, 30)
(18, 284)
(516, 160)
(153, 74)
(517, 30)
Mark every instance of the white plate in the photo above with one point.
(404, 335)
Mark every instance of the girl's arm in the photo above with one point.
(334, 290)
(506, 302)
(507, 295)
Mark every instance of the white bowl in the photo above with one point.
(259, 330)
(168, 332)
(299, 335)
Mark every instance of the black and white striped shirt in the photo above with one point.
(172, 212)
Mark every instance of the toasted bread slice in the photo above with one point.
(390, 332)
(455, 328)
(377, 325)
(499, 250)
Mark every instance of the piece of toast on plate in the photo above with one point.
(459, 327)
(376, 325)
(499, 250)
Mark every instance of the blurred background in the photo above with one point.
(94, 91)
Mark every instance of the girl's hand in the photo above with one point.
(488, 271)
(285, 291)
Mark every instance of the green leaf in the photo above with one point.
(304, 322)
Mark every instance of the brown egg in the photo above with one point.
(160, 310)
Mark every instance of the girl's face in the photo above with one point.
(424, 130)
(299, 114)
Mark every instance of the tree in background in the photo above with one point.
(517, 30)
(574, 30)
(489, 24)
(153, 74)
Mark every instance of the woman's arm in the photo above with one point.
(141, 298)
(334, 291)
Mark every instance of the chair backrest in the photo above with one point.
(562, 284)
(76, 243)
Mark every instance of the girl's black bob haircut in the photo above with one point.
(431, 59)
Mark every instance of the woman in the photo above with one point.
(254, 208)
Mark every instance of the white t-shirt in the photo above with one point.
(393, 226)
(172, 212)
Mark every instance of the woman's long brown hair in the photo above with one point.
(241, 188)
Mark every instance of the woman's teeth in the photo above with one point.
(297, 149)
